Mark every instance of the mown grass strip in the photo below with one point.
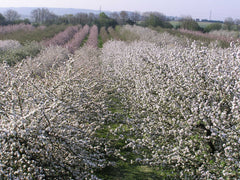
(100, 42)
(84, 41)
(125, 168)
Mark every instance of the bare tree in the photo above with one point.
(91, 18)
(2, 19)
(124, 17)
(43, 15)
(228, 22)
(161, 16)
(187, 22)
(135, 16)
(237, 21)
(115, 16)
(82, 18)
(12, 15)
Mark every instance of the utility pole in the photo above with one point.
(210, 16)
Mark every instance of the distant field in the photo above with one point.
(201, 24)
(204, 24)
(174, 23)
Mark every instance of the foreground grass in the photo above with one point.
(116, 132)
(130, 172)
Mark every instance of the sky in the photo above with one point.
(202, 9)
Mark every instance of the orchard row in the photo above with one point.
(72, 38)
(154, 105)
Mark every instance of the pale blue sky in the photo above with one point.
(220, 9)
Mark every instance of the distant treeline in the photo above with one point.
(41, 16)
(210, 21)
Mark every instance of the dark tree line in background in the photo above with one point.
(228, 24)
(12, 17)
(44, 16)
(41, 16)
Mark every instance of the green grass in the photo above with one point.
(84, 41)
(127, 168)
(126, 171)
(204, 24)
(201, 24)
(175, 23)
(100, 42)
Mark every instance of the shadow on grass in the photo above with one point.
(126, 171)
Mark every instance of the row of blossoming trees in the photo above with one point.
(161, 101)
(17, 27)
(63, 37)
(184, 102)
(78, 38)
(73, 37)
(223, 36)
